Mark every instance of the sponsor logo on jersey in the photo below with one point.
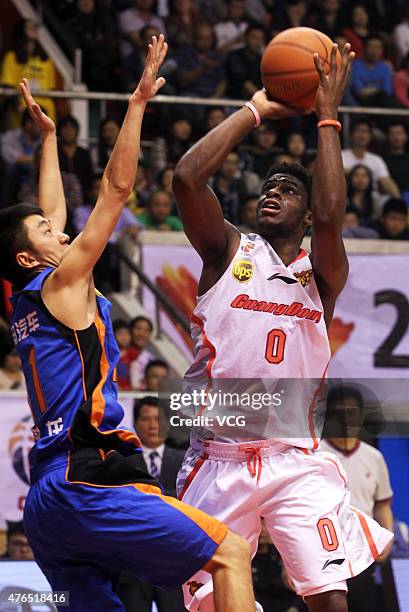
(332, 562)
(194, 586)
(304, 277)
(295, 309)
(285, 279)
(243, 270)
(247, 247)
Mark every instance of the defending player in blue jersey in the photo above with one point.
(90, 513)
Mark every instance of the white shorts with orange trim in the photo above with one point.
(304, 499)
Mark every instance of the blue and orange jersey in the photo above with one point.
(70, 376)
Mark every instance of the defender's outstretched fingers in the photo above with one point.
(333, 60)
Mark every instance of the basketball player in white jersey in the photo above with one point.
(263, 310)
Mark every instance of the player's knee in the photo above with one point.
(331, 601)
(234, 551)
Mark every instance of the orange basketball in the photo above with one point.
(287, 67)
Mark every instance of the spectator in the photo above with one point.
(293, 15)
(133, 20)
(29, 190)
(133, 64)
(401, 35)
(243, 66)
(358, 31)
(169, 150)
(158, 213)
(95, 32)
(329, 18)
(11, 373)
(295, 147)
(18, 548)
(27, 59)
(360, 138)
(128, 353)
(231, 187)
(258, 156)
(360, 190)
(106, 271)
(393, 224)
(141, 332)
(372, 77)
(107, 135)
(367, 475)
(163, 463)
(73, 158)
(17, 150)
(352, 227)
(230, 31)
(165, 178)
(396, 156)
(248, 214)
(181, 23)
(200, 69)
(214, 116)
(155, 371)
(401, 83)
(142, 192)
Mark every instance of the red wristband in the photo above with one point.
(330, 122)
(255, 112)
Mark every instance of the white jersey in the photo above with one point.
(264, 320)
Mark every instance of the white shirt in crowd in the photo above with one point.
(367, 473)
(401, 40)
(158, 460)
(375, 163)
(227, 31)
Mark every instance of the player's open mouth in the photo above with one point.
(270, 205)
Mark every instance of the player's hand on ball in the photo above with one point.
(43, 122)
(331, 87)
(268, 109)
(149, 84)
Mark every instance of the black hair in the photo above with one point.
(294, 170)
(19, 44)
(14, 238)
(15, 528)
(153, 363)
(120, 324)
(141, 318)
(339, 393)
(68, 120)
(352, 209)
(148, 400)
(398, 122)
(358, 122)
(367, 211)
(255, 27)
(395, 205)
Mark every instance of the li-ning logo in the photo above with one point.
(285, 279)
(243, 270)
(332, 562)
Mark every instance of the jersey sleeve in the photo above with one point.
(384, 489)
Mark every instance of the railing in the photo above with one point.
(347, 111)
(161, 300)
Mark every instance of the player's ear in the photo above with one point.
(308, 217)
(26, 260)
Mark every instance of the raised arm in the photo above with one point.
(329, 186)
(50, 189)
(199, 208)
(118, 179)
